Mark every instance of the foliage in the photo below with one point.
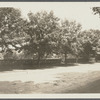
(41, 30)
(11, 27)
(69, 33)
(89, 41)
(44, 35)
(96, 10)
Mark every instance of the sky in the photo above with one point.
(81, 12)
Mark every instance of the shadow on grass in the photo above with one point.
(35, 67)
(92, 87)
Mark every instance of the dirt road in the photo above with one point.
(83, 78)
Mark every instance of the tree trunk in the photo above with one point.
(38, 60)
(65, 57)
(76, 59)
(46, 58)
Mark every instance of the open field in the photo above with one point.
(82, 78)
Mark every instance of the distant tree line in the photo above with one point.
(44, 34)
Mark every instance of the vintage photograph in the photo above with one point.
(49, 47)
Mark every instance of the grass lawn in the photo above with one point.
(81, 78)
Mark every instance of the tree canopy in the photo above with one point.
(43, 34)
(11, 26)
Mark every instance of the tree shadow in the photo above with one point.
(47, 66)
(33, 67)
(92, 87)
(12, 67)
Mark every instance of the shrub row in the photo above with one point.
(22, 64)
(29, 62)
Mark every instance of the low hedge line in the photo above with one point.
(24, 64)
(34, 62)
(29, 62)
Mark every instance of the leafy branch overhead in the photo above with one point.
(96, 10)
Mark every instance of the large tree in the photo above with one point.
(69, 34)
(41, 30)
(11, 28)
(89, 40)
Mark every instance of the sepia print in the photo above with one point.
(49, 47)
